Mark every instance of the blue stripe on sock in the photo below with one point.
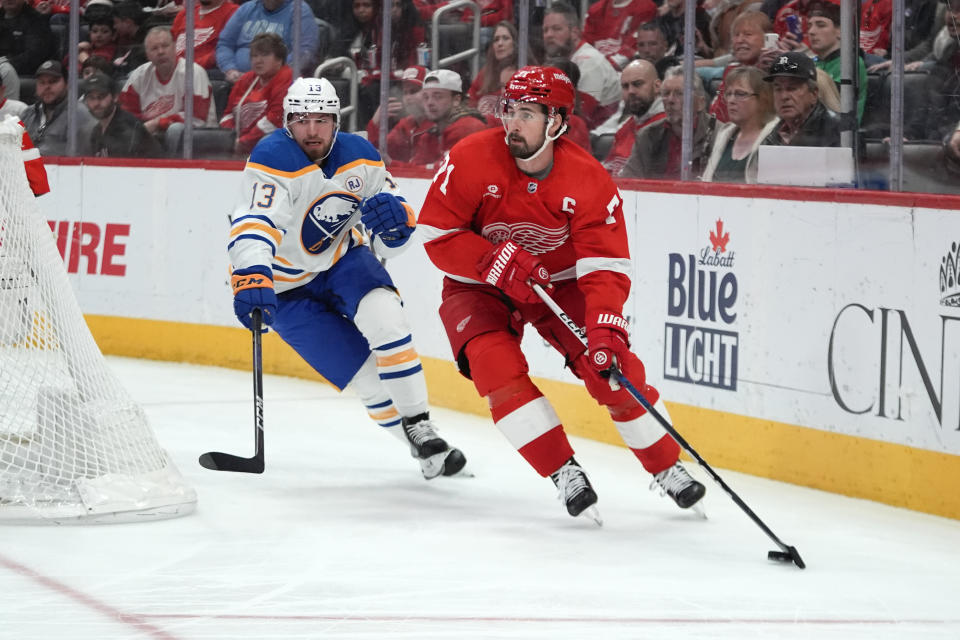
(391, 345)
(381, 405)
(401, 374)
(392, 424)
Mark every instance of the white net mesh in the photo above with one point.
(73, 444)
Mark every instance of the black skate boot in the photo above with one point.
(431, 451)
(677, 483)
(575, 491)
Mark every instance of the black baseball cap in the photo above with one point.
(49, 68)
(792, 65)
(99, 81)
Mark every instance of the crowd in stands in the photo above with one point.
(768, 72)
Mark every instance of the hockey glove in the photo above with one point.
(253, 289)
(514, 270)
(385, 215)
(607, 341)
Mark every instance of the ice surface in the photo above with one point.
(342, 538)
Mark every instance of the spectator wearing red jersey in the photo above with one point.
(875, 19)
(102, 41)
(210, 16)
(502, 54)
(255, 105)
(154, 92)
(407, 118)
(611, 27)
(641, 106)
(452, 121)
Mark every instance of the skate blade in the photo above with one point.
(592, 513)
(698, 509)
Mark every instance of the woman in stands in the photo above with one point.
(255, 105)
(501, 64)
(752, 117)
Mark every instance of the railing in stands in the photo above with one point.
(351, 110)
(473, 52)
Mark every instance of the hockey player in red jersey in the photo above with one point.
(539, 209)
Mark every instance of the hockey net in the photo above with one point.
(74, 447)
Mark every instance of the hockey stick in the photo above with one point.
(787, 553)
(218, 461)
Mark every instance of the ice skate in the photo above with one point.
(575, 491)
(682, 489)
(433, 453)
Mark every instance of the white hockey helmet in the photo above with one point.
(311, 95)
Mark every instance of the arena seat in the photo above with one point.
(221, 94)
(28, 89)
(600, 145)
(924, 168)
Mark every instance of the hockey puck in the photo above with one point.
(790, 555)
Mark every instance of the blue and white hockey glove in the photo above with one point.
(385, 215)
(253, 289)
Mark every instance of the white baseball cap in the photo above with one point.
(443, 79)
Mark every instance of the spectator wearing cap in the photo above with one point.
(611, 27)
(598, 78)
(46, 119)
(25, 36)
(823, 33)
(405, 117)
(255, 105)
(128, 17)
(804, 120)
(209, 19)
(260, 16)
(118, 133)
(154, 92)
(451, 120)
(9, 106)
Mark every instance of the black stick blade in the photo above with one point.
(790, 555)
(217, 461)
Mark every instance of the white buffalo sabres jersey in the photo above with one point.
(299, 218)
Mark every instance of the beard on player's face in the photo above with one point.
(521, 147)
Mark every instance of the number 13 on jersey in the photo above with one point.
(262, 196)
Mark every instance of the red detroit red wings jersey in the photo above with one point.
(572, 220)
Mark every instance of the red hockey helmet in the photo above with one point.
(542, 85)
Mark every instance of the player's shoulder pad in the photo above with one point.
(279, 152)
(350, 150)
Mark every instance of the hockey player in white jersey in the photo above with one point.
(313, 201)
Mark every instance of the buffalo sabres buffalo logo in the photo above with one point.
(354, 184)
(327, 217)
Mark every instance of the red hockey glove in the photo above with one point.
(514, 270)
(607, 341)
